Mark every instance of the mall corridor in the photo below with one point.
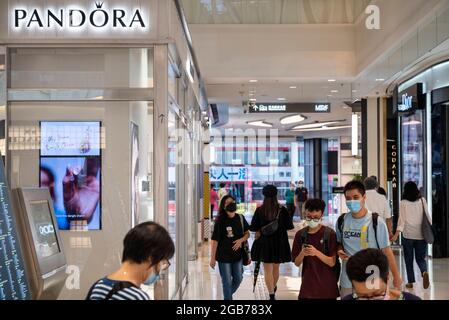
(151, 148)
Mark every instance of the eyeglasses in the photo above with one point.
(375, 297)
(314, 220)
(165, 266)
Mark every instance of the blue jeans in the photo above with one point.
(414, 249)
(231, 277)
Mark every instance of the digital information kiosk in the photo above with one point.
(32, 261)
(43, 251)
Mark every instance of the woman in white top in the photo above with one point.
(412, 209)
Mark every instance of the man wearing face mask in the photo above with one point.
(361, 229)
(147, 249)
(315, 247)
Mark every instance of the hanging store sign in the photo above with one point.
(98, 17)
(393, 164)
(290, 108)
(410, 100)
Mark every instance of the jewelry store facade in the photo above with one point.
(107, 94)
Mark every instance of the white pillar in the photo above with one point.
(294, 151)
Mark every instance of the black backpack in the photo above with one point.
(326, 238)
(341, 220)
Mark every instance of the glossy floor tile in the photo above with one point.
(205, 283)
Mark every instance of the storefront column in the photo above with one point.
(374, 155)
(160, 133)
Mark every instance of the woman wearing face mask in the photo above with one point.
(315, 248)
(230, 232)
(147, 249)
(274, 248)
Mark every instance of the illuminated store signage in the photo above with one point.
(97, 17)
(407, 103)
(393, 157)
(290, 108)
(410, 100)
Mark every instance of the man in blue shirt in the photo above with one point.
(359, 230)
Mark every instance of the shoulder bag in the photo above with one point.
(272, 227)
(426, 227)
(246, 252)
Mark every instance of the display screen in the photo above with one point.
(46, 242)
(70, 166)
(70, 138)
(74, 184)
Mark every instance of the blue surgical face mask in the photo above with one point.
(154, 277)
(354, 206)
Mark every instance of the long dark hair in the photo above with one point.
(222, 214)
(270, 207)
(411, 192)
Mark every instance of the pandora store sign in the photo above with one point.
(98, 17)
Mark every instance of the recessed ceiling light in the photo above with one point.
(253, 100)
(260, 123)
(292, 119)
(281, 99)
(326, 128)
(251, 94)
(293, 87)
(334, 91)
(314, 125)
(253, 81)
(380, 79)
(354, 91)
(331, 80)
(329, 95)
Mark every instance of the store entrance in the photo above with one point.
(440, 174)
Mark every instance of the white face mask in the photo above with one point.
(313, 224)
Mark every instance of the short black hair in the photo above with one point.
(222, 185)
(354, 184)
(315, 205)
(145, 241)
(357, 265)
(411, 192)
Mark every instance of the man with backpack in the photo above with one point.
(315, 247)
(361, 229)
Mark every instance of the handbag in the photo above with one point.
(246, 252)
(272, 227)
(426, 227)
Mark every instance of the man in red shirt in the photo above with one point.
(315, 248)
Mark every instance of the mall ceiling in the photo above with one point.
(307, 51)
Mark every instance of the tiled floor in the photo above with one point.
(205, 283)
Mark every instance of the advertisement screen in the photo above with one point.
(75, 187)
(70, 138)
(46, 242)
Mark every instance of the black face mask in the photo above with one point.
(231, 207)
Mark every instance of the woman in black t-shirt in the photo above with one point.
(230, 232)
(274, 249)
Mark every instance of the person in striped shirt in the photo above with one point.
(147, 249)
